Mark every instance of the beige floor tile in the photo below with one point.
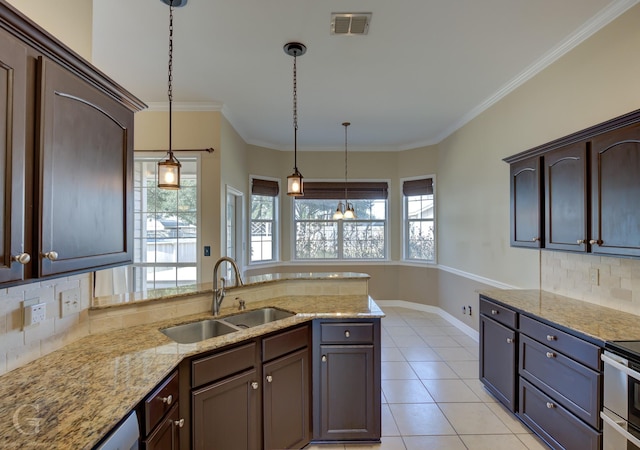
(397, 370)
(419, 419)
(405, 391)
(391, 354)
(455, 354)
(478, 388)
(420, 354)
(465, 340)
(510, 420)
(389, 427)
(431, 331)
(473, 418)
(440, 341)
(392, 321)
(387, 341)
(403, 330)
(465, 369)
(532, 442)
(388, 443)
(418, 322)
(324, 447)
(434, 443)
(493, 442)
(408, 341)
(450, 391)
(433, 370)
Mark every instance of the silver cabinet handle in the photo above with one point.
(595, 242)
(269, 378)
(494, 312)
(324, 358)
(581, 241)
(535, 239)
(168, 399)
(551, 338)
(509, 341)
(551, 355)
(347, 334)
(179, 423)
(254, 385)
(51, 256)
(22, 258)
(550, 405)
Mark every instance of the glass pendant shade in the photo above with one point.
(294, 184)
(349, 212)
(169, 173)
(338, 215)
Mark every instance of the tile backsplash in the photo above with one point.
(606, 281)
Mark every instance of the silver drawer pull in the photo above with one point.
(269, 378)
(51, 256)
(494, 312)
(509, 341)
(254, 385)
(347, 334)
(324, 358)
(550, 405)
(551, 337)
(168, 399)
(551, 355)
(581, 241)
(179, 423)
(22, 258)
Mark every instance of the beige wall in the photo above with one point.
(71, 21)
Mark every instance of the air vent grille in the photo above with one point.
(350, 23)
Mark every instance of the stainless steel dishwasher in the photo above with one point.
(125, 436)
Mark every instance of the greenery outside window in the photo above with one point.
(419, 219)
(165, 227)
(264, 225)
(318, 236)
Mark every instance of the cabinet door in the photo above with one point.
(13, 78)
(615, 190)
(498, 361)
(226, 415)
(348, 394)
(286, 407)
(526, 227)
(85, 160)
(166, 436)
(565, 179)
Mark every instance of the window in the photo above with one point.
(264, 211)
(419, 220)
(165, 227)
(319, 236)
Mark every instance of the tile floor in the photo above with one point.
(431, 396)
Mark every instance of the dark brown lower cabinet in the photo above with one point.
(498, 361)
(286, 405)
(166, 436)
(226, 414)
(347, 380)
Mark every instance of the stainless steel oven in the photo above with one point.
(621, 405)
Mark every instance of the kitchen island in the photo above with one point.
(72, 397)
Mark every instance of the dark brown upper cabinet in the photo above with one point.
(565, 189)
(13, 78)
(66, 158)
(615, 192)
(591, 182)
(526, 230)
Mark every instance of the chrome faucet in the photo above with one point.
(218, 293)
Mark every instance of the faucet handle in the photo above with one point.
(241, 304)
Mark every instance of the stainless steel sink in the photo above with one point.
(257, 317)
(189, 333)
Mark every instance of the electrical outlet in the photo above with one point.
(470, 310)
(69, 301)
(464, 310)
(33, 312)
(594, 277)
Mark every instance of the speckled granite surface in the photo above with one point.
(596, 323)
(72, 397)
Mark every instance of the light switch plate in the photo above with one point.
(69, 302)
(594, 276)
(33, 312)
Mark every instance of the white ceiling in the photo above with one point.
(425, 68)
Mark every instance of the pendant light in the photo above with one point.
(169, 169)
(348, 212)
(294, 181)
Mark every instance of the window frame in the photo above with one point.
(340, 231)
(275, 233)
(406, 222)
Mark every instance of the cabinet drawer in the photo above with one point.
(570, 383)
(578, 349)
(283, 343)
(499, 313)
(160, 401)
(223, 364)
(556, 425)
(346, 333)
(166, 434)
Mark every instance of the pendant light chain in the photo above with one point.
(295, 112)
(170, 77)
(346, 182)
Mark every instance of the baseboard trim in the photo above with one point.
(466, 329)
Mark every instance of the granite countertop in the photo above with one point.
(72, 397)
(593, 322)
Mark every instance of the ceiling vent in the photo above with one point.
(350, 23)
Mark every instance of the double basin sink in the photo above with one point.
(189, 333)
